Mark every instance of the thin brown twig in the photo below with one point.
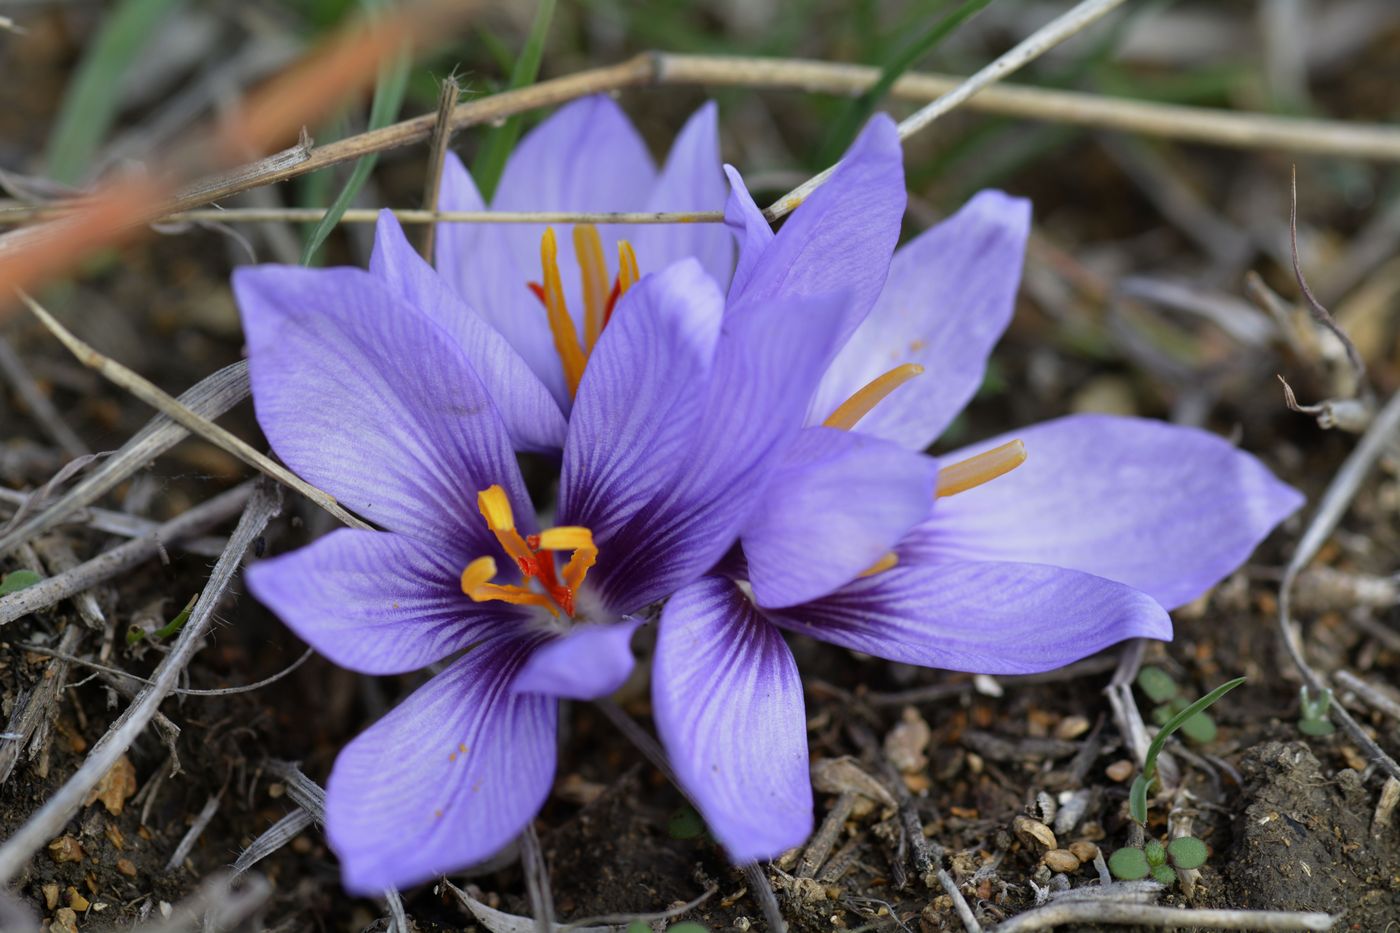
(167, 404)
(361, 215)
(1098, 912)
(448, 96)
(179, 691)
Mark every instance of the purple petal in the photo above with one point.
(640, 401)
(839, 503)
(489, 266)
(842, 237)
(589, 662)
(746, 222)
(1166, 509)
(727, 700)
(949, 297)
(447, 778)
(987, 618)
(370, 400)
(768, 359)
(528, 410)
(690, 181)
(377, 602)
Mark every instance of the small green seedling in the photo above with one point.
(689, 926)
(1163, 691)
(17, 580)
(685, 823)
(1185, 852)
(1312, 719)
(134, 634)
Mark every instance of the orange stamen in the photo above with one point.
(983, 468)
(535, 557)
(588, 247)
(495, 508)
(849, 412)
(476, 584)
(615, 294)
(566, 344)
(627, 274)
(578, 540)
(881, 565)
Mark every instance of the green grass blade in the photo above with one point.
(90, 102)
(389, 93)
(849, 122)
(491, 161)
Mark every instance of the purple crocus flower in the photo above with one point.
(1018, 567)
(586, 157)
(369, 386)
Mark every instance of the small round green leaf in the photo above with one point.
(689, 926)
(685, 823)
(637, 926)
(1164, 874)
(1128, 864)
(1161, 715)
(1187, 852)
(1200, 729)
(1316, 727)
(17, 580)
(1157, 684)
(1155, 852)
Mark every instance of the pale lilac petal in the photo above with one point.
(377, 602)
(1166, 509)
(839, 502)
(447, 778)
(641, 399)
(489, 266)
(529, 411)
(588, 662)
(987, 618)
(768, 359)
(750, 228)
(371, 401)
(690, 181)
(843, 235)
(727, 700)
(948, 298)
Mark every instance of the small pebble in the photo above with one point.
(76, 900)
(126, 867)
(1034, 833)
(1071, 727)
(64, 919)
(50, 896)
(1084, 850)
(1062, 860)
(1120, 770)
(66, 849)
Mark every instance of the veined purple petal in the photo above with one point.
(767, 361)
(728, 705)
(948, 298)
(748, 225)
(377, 602)
(641, 399)
(370, 400)
(839, 502)
(447, 778)
(690, 181)
(982, 617)
(842, 237)
(588, 662)
(1166, 509)
(526, 406)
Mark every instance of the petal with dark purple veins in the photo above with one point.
(1166, 509)
(641, 399)
(841, 238)
(526, 406)
(447, 778)
(377, 602)
(370, 400)
(986, 618)
(588, 662)
(727, 700)
(837, 505)
(949, 296)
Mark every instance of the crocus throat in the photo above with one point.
(534, 555)
(598, 298)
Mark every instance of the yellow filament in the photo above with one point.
(476, 583)
(983, 468)
(495, 508)
(576, 539)
(560, 324)
(849, 412)
(881, 565)
(479, 572)
(627, 274)
(588, 247)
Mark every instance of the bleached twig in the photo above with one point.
(1148, 915)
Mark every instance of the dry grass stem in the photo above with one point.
(448, 95)
(404, 216)
(1147, 915)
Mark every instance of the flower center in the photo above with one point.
(598, 299)
(534, 555)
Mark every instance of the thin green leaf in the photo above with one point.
(491, 161)
(384, 109)
(1137, 799)
(90, 102)
(170, 628)
(858, 110)
(17, 580)
(1149, 770)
